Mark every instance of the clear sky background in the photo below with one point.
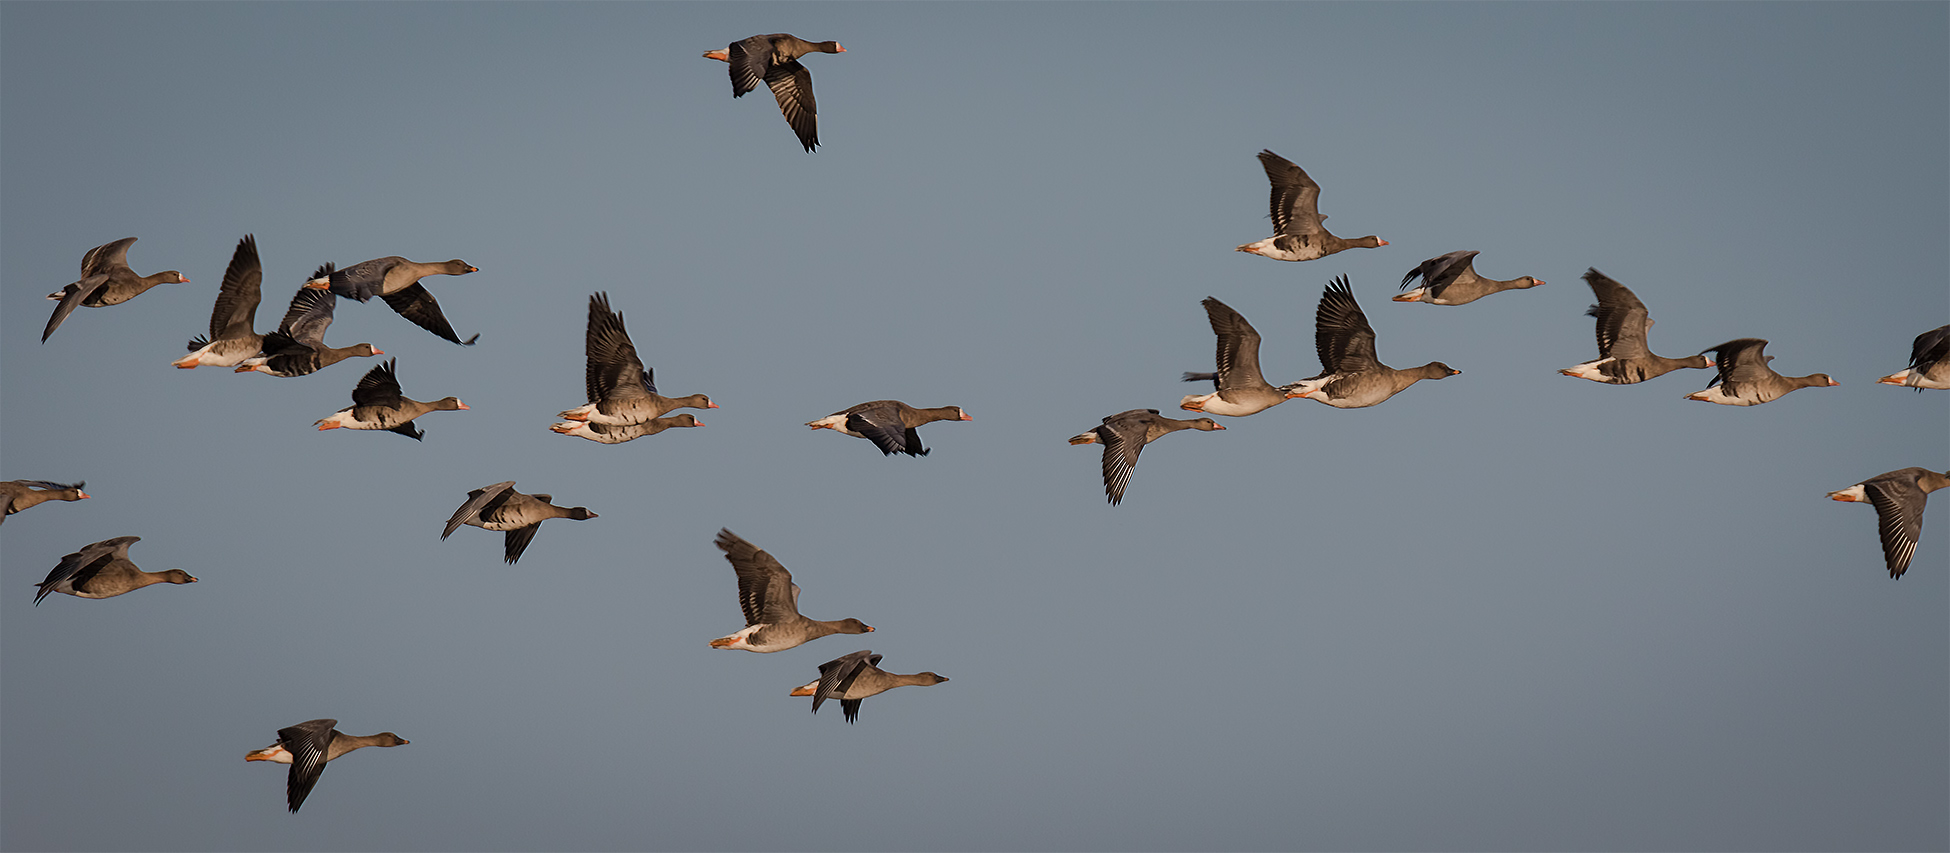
(1507, 610)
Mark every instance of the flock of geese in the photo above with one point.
(624, 405)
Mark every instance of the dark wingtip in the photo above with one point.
(470, 340)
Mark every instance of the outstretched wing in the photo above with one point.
(613, 370)
(749, 59)
(1123, 436)
(517, 542)
(1622, 318)
(71, 298)
(309, 744)
(765, 590)
(476, 501)
(1238, 352)
(1342, 337)
(240, 293)
(379, 387)
(415, 303)
(1296, 198)
(792, 85)
(107, 258)
(1899, 520)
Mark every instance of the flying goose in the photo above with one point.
(1298, 232)
(103, 570)
(231, 337)
(775, 59)
(620, 389)
(1929, 362)
(1124, 436)
(500, 507)
(16, 495)
(397, 280)
(851, 678)
(1746, 380)
(1623, 358)
(1899, 497)
(1451, 280)
(378, 403)
(105, 280)
(771, 603)
(1241, 390)
(890, 424)
(307, 747)
(1351, 375)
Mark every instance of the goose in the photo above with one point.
(619, 433)
(1623, 358)
(890, 424)
(16, 495)
(377, 403)
(775, 59)
(298, 346)
(1124, 436)
(307, 747)
(621, 390)
(1746, 380)
(1241, 390)
(231, 338)
(851, 678)
(105, 280)
(1899, 497)
(1451, 280)
(1351, 375)
(1929, 362)
(500, 507)
(397, 280)
(771, 603)
(103, 570)
(1298, 232)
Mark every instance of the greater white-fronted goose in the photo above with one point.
(298, 346)
(889, 424)
(1241, 390)
(231, 337)
(1746, 380)
(1298, 234)
(378, 403)
(105, 280)
(621, 390)
(397, 280)
(771, 603)
(500, 507)
(1124, 436)
(619, 433)
(851, 678)
(103, 570)
(775, 59)
(1351, 375)
(1623, 357)
(16, 495)
(1451, 280)
(308, 747)
(1899, 498)
(1929, 362)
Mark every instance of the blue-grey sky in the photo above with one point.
(1507, 610)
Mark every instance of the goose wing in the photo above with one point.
(1296, 198)
(476, 501)
(765, 590)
